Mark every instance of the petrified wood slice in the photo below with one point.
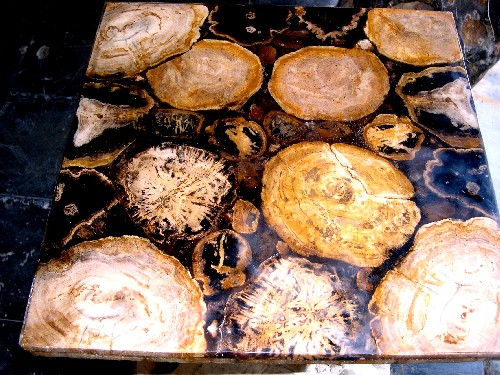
(440, 100)
(133, 37)
(443, 297)
(293, 309)
(220, 261)
(108, 106)
(414, 37)
(329, 23)
(97, 158)
(171, 123)
(461, 175)
(248, 25)
(329, 83)
(214, 74)
(115, 295)
(338, 201)
(75, 205)
(245, 217)
(174, 190)
(393, 137)
(237, 138)
(283, 128)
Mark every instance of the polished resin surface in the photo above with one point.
(254, 182)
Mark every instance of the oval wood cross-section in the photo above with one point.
(329, 83)
(292, 308)
(174, 191)
(214, 74)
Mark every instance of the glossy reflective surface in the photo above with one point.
(264, 205)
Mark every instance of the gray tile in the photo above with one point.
(492, 367)
(462, 368)
(22, 223)
(32, 139)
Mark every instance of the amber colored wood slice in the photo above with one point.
(245, 217)
(214, 74)
(116, 295)
(338, 201)
(329, 83)
(135, 36)
(414, 37)
(443, 298)
(393, 137)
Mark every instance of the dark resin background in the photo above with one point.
(44, 54)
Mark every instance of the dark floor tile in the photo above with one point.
(20, 33)
(14, 360)
(51, 67)
(22, 224)
(32, 139)
(492, 368)
(463, 368)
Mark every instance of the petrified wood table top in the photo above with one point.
(253, 182)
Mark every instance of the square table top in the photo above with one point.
(271, 183)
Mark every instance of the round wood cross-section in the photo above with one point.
(115, 295)
(214, 74)
(174, 190)
(338, 201)
(444, 296)
(292, 308)
(329, 83)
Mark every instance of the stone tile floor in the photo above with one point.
(43, 58)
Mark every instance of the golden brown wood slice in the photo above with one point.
(116, 295)
(338, 201)
(394, 137)
(329, 83)
(214, 74)
(444, 296)
(414, 37)
(135, 36)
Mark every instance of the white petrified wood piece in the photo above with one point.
(116, 295)
(173, 190)
(135, 36)
(293, 308)
(444, 296)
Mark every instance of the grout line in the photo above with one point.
(10, 320)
